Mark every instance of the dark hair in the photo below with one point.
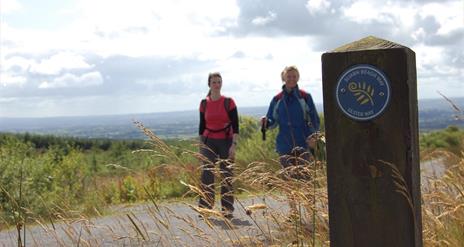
(211, 75)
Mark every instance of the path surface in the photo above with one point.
(175, 224)
(434, 168)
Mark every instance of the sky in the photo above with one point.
(87, 57)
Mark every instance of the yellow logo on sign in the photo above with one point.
(362, 92)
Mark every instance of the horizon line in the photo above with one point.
(174, 111)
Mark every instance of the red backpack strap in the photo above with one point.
(279, 96)
(303, 94)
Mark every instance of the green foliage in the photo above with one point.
(47, 141)
(15, 167)
(110, 193)
(93, 203)
(322, 123)
(251, 147)
(172, 189)
(60, 174)
(450, 139)
(128, 192)
(248, 127)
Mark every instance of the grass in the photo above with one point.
(270, 196)
(443, 207)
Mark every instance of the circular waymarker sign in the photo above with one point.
(363, 92)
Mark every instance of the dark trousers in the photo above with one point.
(216, 151)
(295, 161)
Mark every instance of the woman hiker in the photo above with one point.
(293, 111)
(218, 132)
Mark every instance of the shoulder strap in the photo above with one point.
(203, 105)
(227, 107)
(304, 106)
(277, 98)
(303, 94)
(227, 104)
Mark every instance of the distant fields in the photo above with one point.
(434, 114)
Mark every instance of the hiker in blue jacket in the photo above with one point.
(294, 112)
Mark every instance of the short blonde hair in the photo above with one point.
(287, 69)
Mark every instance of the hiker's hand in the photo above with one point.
(264, 122)
(311, 140)
(232, 152)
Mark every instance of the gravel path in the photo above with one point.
(431, 169)
(175, 224)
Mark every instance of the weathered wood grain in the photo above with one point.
(366, 207)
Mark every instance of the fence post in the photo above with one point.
(371, 121)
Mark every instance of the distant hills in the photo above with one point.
(434, 114)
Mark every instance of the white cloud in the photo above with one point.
(59, 62)
(427, 56)
(73, 81)
(419, 34)
(261, 21)
(434, 73)
(9, 6)
(170, 28)
(317, 6)
(7, 79)
(12, 71)
(399, 14)
(449, 15)
(16, 61)
(121, 14)
(146, 48)
(165, 28)
(365, 12)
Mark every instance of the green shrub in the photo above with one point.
(450, 139)
(128, 191)
(110, 193)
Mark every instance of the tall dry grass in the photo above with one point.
(443, 195)
(305, 225)
(443, 203)
(270, 196)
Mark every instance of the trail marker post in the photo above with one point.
(371, 121)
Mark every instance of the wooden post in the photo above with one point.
(371, 121)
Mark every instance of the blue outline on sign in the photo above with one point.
(371, 89)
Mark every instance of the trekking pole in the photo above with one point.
(263, 130)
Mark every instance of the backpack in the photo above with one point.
(226, 104)
(302, 98)
(227, 107)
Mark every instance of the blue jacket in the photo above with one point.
(293, 128)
